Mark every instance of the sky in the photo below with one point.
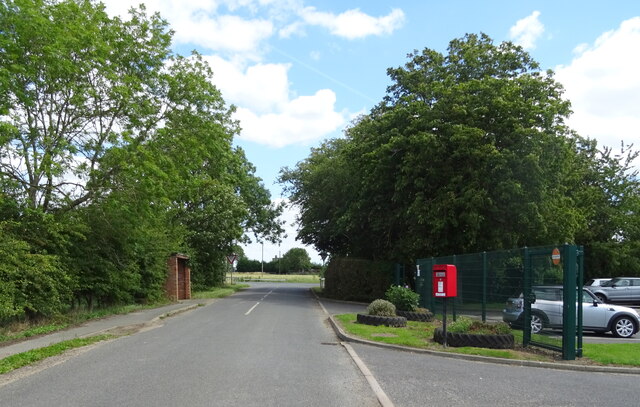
(300, 71)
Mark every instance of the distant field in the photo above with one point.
(285, 278)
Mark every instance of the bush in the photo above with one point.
(357, 279)
(472, 326)
(381, 308)
(403, 298)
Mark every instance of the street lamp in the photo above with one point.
(262, 261)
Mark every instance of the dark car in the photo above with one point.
(546, 312)
(619, 289)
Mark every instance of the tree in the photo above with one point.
(75, 83)
(116, 152)
(296, 260)
(322, 187)
(467, 152)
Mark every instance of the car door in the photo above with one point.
(634, 291)
(549, 301)
(619, 290)
(594, 315)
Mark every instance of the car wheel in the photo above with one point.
(537, 323)
(623, 327)
(601, 297)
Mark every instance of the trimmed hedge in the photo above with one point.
(357, 279)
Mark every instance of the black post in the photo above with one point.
(444, 322)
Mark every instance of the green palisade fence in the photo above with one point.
(487, 280)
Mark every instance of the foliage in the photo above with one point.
(403, 298)
(33, 331)
(296, 260)
(32, 284)
(114, 153)
(381, 308)
(246, 265)
(357, 279)
(472, 326)
(468, 151)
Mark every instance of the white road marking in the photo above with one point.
(258, 303)
(252, 308)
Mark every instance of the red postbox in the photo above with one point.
(445, 280)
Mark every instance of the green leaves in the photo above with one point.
(114, 153)
(467, 152)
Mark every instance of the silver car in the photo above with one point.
(619, 289)
(546, 312)
(597, 282)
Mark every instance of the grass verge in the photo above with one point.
(420, 335)
(285, 278)
(25, 358)
(218, 292)
(625, 354)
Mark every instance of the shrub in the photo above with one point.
(381, 308)
(357, 279)
(403, 298)
(472, 326)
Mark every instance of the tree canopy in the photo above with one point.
(116, 152)
(468, 151)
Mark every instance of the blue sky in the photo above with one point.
(299, 71)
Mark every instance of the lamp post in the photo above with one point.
(262, 261)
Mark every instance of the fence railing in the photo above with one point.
(489, 282)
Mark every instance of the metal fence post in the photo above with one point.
(569, 265)
(484, 286)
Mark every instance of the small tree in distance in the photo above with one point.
(296, 260)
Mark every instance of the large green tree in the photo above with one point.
(123, 147)
(468, 151)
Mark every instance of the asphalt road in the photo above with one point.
(266, 346)
(271, 345)
(411, 379)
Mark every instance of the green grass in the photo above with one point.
(626, 354)
(288, 278)
(420, 335)
(218, 292)
(32, 331)
(416, 334)
(19, 331)
(25, 358)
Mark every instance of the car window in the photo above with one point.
(622, 283)
(635, 282)
(549, 294)
(586, 297)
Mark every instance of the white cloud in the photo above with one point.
(302, 121)
(353, 24)
(527, 31)
(223, 33)
(603, 85)
(261, 88)
(197, 22)
(268, 111)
